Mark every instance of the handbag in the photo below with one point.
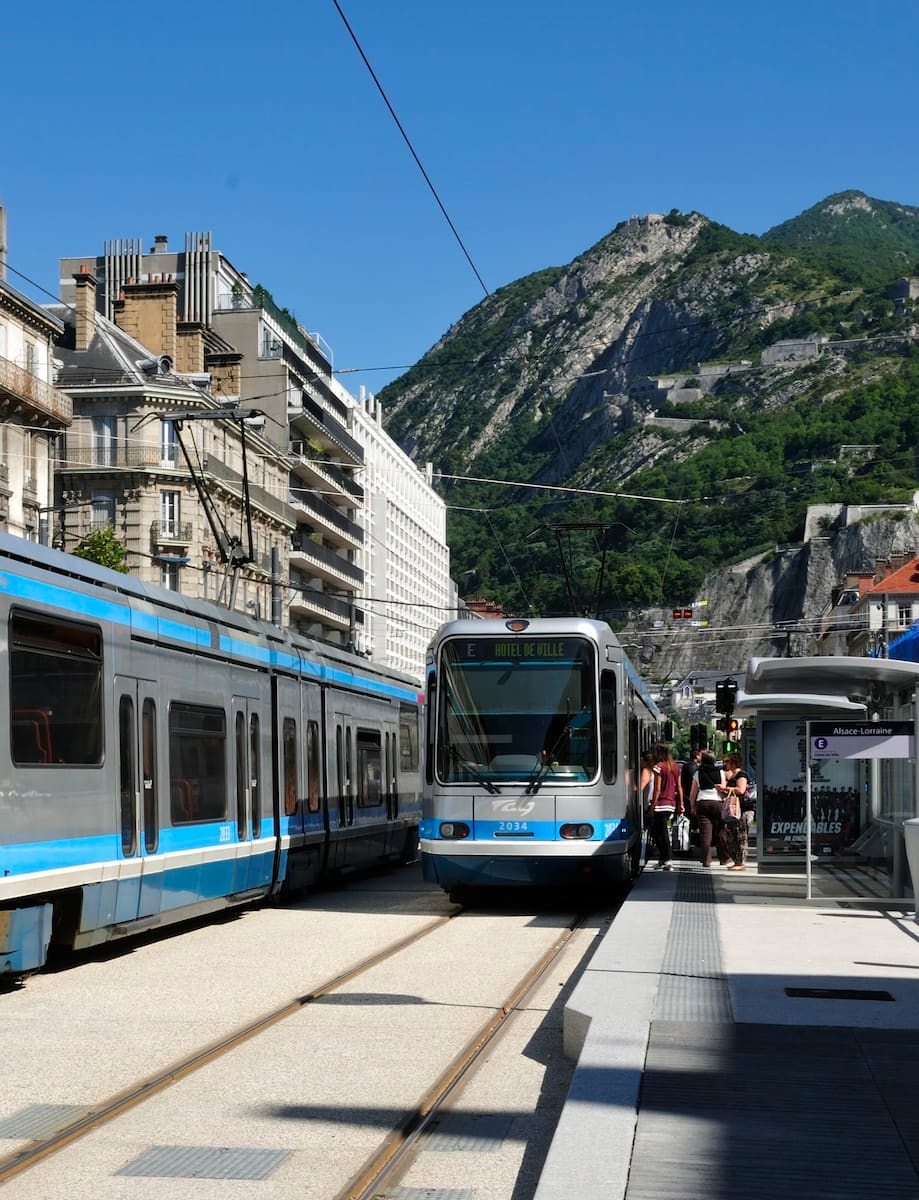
(730, 806)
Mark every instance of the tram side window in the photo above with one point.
(289, 740)
(128, 773)
(369, 768)
(255, 780)
(313, 765)
(197, 763)
(408, 738)
(55, 692)
(148, 766)
(609, 748)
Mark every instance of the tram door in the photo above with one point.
(248, 773)
(139, 887)
(340, 789)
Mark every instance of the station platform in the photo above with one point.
(733, 1040)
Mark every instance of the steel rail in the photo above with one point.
(28, 1156)
(393, 1157)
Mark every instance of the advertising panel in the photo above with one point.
(783, 795)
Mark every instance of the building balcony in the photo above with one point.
(324, 475)
(314, 559)
(325, 429)
(171, 533)
(334, 525)
(309, 604)
(23, 387)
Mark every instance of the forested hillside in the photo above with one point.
(632, 386)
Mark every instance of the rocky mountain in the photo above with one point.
(670, 403)
(770, 606)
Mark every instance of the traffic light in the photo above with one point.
(732, 738)
(698, 737)
(725, 695)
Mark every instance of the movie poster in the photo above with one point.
(783, 793)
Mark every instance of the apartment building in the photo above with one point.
(405, 558)
(258, 357)
(32, 413)
(365, 559)
(195, 494)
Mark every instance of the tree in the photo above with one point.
(102, 547)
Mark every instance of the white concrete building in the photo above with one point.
(405, 557)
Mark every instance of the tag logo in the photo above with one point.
(522, 809)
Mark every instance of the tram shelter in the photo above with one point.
(833, 824)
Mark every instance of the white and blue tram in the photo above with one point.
(166, 758)
(534, 731)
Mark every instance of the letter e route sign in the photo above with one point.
(855, 739)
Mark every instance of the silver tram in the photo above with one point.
(534, 731)
(164, 758)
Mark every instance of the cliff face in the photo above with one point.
(559, 351)
(767, 607)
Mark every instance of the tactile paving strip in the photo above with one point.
(204, 1162)
(693, 986)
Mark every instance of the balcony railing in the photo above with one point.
(333, 475)
(172, 532)
(301, 497)
(330, 604)
(23, 385)
(329, 559)
(330, 426)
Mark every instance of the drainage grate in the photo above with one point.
(204, 1162)
(836, 994)
(40, 1120)
(468, 1131)
(431, 1193)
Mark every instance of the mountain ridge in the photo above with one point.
(638, 370)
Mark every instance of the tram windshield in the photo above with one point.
(515, 708)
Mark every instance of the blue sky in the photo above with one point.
(541, 125)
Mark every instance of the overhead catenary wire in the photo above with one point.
(414, 154)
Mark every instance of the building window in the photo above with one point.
(29, 357)
(168, 444)
(102, 512)
(169, 576)
(904, 615)
(104, 441)
(271, 343)
(169, 513)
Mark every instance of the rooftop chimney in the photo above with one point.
(85, 307)
(160, 243)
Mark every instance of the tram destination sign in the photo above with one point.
(861, 739)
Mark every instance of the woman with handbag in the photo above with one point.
(705, 803)
(735, 828)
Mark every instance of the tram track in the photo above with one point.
(27, 1157)
(392, 1158)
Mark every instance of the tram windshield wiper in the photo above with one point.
(473, 770)
(539, 775)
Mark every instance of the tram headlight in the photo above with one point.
(454, 830)
(582, 830)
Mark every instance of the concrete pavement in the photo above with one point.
(736, 1040)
